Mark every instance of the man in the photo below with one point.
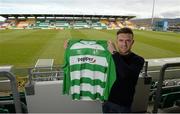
(128, 66)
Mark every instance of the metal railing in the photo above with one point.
(44, 75)
(160, 82)
(14, 90)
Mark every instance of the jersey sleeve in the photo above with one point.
(66, 68)
(111, 72)
(111, 77)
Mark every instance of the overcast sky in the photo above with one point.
(138, 8)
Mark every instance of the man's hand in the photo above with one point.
(111, 47)
(66, 44)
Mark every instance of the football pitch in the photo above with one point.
(22, 48)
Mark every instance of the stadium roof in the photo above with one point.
(66, 15)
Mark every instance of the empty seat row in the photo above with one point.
(169, 99)
(165, 90)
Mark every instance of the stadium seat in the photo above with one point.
(9, 108)
(166, 90)
(2, 110)
(168, 100)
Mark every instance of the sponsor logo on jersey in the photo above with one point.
(87, 59)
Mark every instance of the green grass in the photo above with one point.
(22, 48)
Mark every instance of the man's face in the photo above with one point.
(124, 43)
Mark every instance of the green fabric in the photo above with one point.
(109, 70)
(88, 66)
(88, 51)
(88, 94)
(87, 80)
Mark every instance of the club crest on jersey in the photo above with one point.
(87, 59)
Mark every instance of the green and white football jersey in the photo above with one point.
(89, 70)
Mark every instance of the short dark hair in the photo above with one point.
(125, 30)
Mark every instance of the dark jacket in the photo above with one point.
(128, 68)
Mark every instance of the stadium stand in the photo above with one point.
(11, 23)
(42, 24)
(31, 23)
(22, 24)
(4, 25)
(35, 21)
(105, 21)
(120, 24)
(62, 24)
(98, 25)
(80, 24)
(112, 25)
(129, 24)
(1, 22)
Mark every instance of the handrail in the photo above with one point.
(160, 82)
(14, 90)
(145, 69)
(32, 71)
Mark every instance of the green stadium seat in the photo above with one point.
(166, 90)
(9, 108)
(169, 99)
(2, 110)
(3, 98)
